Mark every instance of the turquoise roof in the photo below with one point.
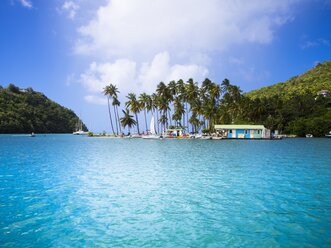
(239, 127)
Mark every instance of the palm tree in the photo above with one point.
(172, 89)
(144, 101)
(127, 120)
(164, 107)
(224, 86)
(192, 94)
(114, 91)
(116, 103)
(178, 111)
(194, 121)
(197, 108)
(134, 106)
(108, 92)
(164, 95)
(155, 107)
(182, 94)
(163, 120)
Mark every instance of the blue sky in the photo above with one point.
(69, 49)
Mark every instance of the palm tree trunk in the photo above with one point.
(187, 121)
(145, 119)
(111, 121)
(115, 120)
(158, 124)
(137, 122)
(118, 118)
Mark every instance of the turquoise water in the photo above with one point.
(69, 191)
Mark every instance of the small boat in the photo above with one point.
(32, 134)
(198, 136)
(328, 135)
(152, 133)
(309, 135)
(80, 132)
(79, 128)
(216, 138)
(206, 137)
(135, 136)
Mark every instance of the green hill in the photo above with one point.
(312, 81)
(294, 107)
(26, 111)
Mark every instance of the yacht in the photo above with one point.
(79, 128)
(152, 134)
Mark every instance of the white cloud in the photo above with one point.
(129, 78)
(130, 34)
(96, 99)
(160, 69)
(71, 8)
(125, 28)
(121, 72)
(26, 3)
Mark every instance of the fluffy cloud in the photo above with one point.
(26, 3)
(121, 72)
(160, 69)
(129, 77)
(124, 34)
(70, 7)
(125, 28)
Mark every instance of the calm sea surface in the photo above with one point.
(69, 191)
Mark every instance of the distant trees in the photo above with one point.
(192, 107)
(127, 120)
(26, 111)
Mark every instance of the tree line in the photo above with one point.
(26, 111)
(198, 108)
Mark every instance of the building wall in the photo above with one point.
(244, 134)
(240, 134)
(256, 134)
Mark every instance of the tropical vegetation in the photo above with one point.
(292, 107)
(26, 111)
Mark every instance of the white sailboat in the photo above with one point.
(152, 134)
(79, 129)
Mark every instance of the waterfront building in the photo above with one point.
(243, 131)
(174, 133)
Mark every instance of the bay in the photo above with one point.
(72, 191)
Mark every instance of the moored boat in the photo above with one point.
(135, 136)
(152, 133)
(309, 135)
(79, 129)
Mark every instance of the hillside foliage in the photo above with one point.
(294, 106)
(310, 82)
(26, 111)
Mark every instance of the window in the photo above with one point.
(231, 131)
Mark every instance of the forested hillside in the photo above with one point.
(295, 107)
(310, 82)
(26, 111)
